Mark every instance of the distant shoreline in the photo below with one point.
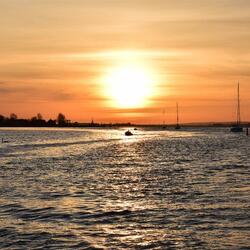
(62, 122)
(118, 125)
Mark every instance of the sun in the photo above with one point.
(129, 86)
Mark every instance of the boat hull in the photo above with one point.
(128, 133)
(236, 129)
(178, 127)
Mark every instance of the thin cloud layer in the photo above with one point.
(57, 51)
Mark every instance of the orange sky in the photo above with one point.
(55, 53)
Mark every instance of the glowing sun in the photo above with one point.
(129, 86)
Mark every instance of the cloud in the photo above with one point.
(147, 110)
(28, 93)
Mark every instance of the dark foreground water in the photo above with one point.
(97, 189)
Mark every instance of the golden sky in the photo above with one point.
(56, 55)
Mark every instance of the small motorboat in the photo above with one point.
(128, 133)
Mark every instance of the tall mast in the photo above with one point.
(237, 127)
(238, 106)
(177, 113)
(164, 112)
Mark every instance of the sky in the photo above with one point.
(57, 54)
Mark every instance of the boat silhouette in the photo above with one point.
(128, 133)
(4, 141)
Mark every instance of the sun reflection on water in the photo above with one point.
(99, 188)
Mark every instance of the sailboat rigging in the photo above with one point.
(237, 127)
(164, 123)
(177, 117)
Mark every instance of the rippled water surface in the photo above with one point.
(97, 189)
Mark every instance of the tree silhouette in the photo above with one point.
(13, 116)
(1, 118)
(39, 116)
(51, 123)
(61, 119)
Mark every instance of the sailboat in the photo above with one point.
(164, 125)
(237, 127)
(177, 117)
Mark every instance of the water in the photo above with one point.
(97, 189)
